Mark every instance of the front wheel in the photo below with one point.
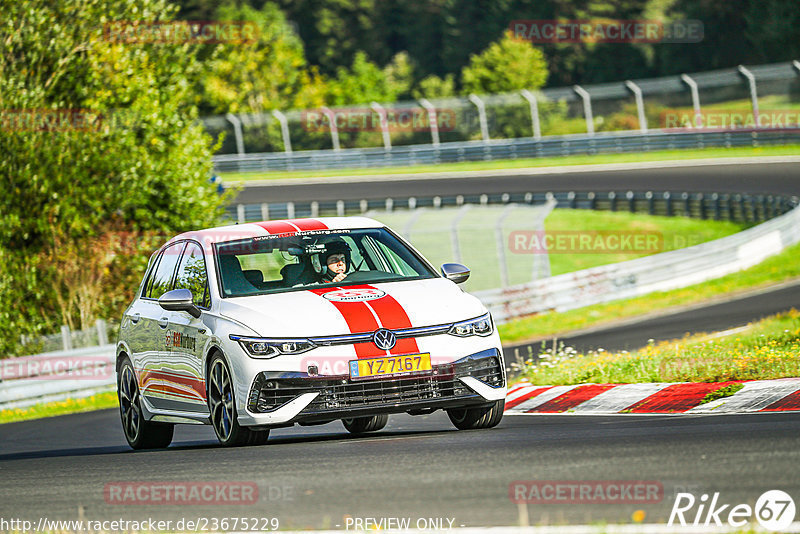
(359, 425)
(475, 418)
(222, 408)
(139, 433)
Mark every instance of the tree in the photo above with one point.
(100, 140)
(268, 73)
(507, 65)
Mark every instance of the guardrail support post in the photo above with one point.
(701, 199)
(481, 116)
(534, 106)
(668, 203)
(381, 111)
(687, 209)
(612, 201)
(637, 94)
(431, 120)
(631, 201)
(340, 208)
(102, 332)
(237, 132)
(66, 337)
(715, 204)
(333, 127)
(264, 211)
(587, 107)
(753, 94)
(698, 117)
(240, 213)
(287, 142)
(651, 208)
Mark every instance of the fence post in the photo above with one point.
(237, 132)
(431, 120)
(381, 111)
(290, 210)
(454, 231)
(587, 107)
(501, 245)
(340, 208)
(66, 337)
(314, 208)
(240, 213)
(534, 106)
(102, 332)
(333, 127)
(637, 93)
(287, 142)
(481, 116)
(264, 211)
(698, 118)
(753, 95)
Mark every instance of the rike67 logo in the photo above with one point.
(774, 510)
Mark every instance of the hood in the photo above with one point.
(352, 309)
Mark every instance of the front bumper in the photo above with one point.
(278, 398)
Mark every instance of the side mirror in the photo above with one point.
(456, 272)
(179, 300)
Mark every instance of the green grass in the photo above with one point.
(660, 155)
(721, 393)
(764, 350)
(87, 404)
(778, 268)
(477, 242)
(674, 233)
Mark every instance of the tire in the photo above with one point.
(222, 408)
(139, 433)
(360, 425)
(477, 418)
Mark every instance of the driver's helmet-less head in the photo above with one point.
(320, 261)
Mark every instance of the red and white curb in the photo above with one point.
(662, 398)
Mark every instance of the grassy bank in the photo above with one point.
(87, 404)
(778, 268)
(763, 350)
(659, 155)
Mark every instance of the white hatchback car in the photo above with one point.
(264, 325)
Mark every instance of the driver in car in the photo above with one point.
(336, 262)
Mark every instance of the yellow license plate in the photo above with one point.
(390, 366)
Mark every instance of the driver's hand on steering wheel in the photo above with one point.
(339, 277)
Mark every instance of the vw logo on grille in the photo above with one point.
(384, 339)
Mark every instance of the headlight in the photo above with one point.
(269, 348)
(480, 326)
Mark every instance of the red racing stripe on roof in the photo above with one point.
(309, 224)
(277, 227)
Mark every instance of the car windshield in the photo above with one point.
(279, 263)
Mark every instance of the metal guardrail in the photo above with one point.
(659, 272)
(56, 376)
(527, 147)
(717, 206)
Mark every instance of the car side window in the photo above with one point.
(192, 275)
(162, 279)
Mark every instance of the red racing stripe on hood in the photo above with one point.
(359, 319)
(393, 316)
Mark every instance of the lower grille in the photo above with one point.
(337, 393)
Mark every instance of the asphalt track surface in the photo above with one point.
(765, 178)
(417, 468)
(421, 468)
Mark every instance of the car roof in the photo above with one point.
(235, 232)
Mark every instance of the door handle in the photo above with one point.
(135, 317)
(163, 322)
